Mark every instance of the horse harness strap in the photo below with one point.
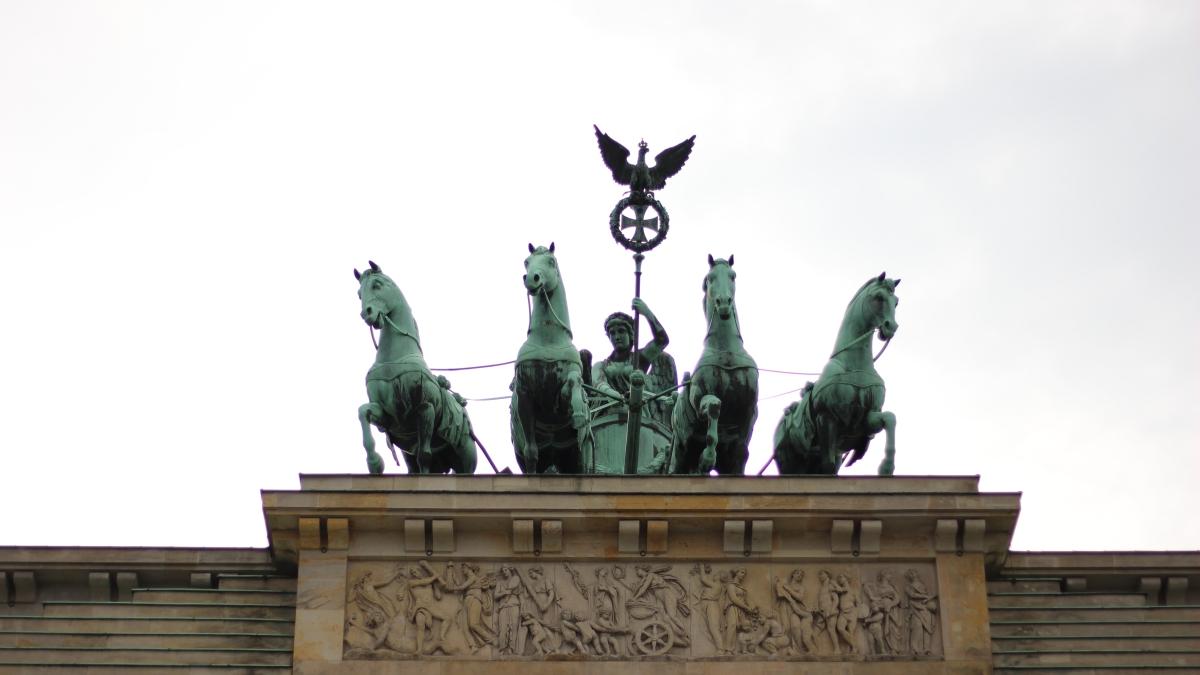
(860, 339)
(725, 360)
(402, 332)
(553, 314)
(859, 379)
(392, 369)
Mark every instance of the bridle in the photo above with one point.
(396, 328)
(545, 295)
(711, 315)
(860, 338)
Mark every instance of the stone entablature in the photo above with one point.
(533, 572)
(30, 575)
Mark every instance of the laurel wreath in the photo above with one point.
(614, 226)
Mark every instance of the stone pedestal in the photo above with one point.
(559, 574)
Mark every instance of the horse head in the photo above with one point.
(378, 293)
(541, 270)
(877, 305)
(719, 288)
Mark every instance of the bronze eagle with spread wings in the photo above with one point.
(639, 177)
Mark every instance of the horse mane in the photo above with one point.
(862, 290)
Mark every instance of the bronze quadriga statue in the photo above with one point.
(836, 418)
(551, 430)
(416, 411)
(714, 414)
(637, 421)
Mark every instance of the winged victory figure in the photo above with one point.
(639, 177)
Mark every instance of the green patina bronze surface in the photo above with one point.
(415, 410)
(626, 414)
(633, 391)
(837, 416)
(549, 417)
(714, 415)
(642, 178)
(612, 373)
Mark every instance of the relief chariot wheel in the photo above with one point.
(654, 639)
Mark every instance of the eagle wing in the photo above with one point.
(668, 163)
(616, 157)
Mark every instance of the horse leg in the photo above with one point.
(426, 419)
(573, 391)
(831, 459)
(708, 456)
(524, 434)
(736, 460)
(369, 413)
(887, 422)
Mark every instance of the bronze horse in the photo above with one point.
(837, 417)
(550, 421)
(415, 410)
(714, 414)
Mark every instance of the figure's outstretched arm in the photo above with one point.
(656, 346)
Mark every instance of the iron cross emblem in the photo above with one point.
(639, 223)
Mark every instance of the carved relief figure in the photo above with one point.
(885, 624)
(766, 634)
(796, 617)
(663, 592)
(542, 595)
(371, 613)
(612, 595)
(777, 639)
(433, 608)
(849, 607)
(922, 608)
(540, 635)
(827, 605)
(581, 633)
(510, 636)
(739, 613)
(477, 605)
(610, 632)
(711, 593)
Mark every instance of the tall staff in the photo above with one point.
(641, 179)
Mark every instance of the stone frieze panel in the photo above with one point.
(645, 610)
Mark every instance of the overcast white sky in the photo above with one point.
(185, 188)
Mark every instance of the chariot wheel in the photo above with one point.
(654, 639)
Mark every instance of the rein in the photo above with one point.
(396, 328)
(860, 339)
(711, 317)
(553, 314)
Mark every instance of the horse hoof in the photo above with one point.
(374, 463)
(887, 468)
